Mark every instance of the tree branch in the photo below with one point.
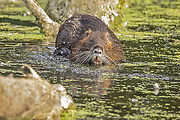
(50, 27)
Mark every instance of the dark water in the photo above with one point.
(152, 55)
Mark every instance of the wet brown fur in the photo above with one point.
(82, 33)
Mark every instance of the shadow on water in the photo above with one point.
(17, 22)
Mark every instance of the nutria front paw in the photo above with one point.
(62, 51)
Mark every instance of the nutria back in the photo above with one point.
(86, 39)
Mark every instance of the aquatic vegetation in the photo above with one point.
(16, 25)
(151, 44)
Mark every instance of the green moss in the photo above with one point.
(14, 10)
(16, 25)
(23, 37)
(68, 114)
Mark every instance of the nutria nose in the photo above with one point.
(97, 51)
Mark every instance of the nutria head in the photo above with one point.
(93, 49)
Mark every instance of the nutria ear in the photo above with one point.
(62, 51)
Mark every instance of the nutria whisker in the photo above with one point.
(110, 59)
(105, 60)
(87, 59)
(81, 59)
(78, 55)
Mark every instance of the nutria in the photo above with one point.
(86, 39)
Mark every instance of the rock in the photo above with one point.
(31, 97)
(156, 88)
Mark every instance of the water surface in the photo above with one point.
(151, 46)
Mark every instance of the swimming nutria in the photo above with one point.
(86, 39)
